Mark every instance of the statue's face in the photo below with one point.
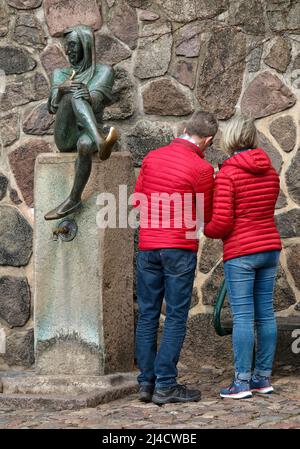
(74, 48)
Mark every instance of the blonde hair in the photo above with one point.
(240, 132)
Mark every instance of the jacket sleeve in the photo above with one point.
(139, 182)
(222, 220)
(205, 185)
(139, 186)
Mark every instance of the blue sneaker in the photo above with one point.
(261, 384)
(239, 389)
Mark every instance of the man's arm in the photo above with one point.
(223, 208)
(205, 185)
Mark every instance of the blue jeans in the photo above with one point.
(169, 274)
(250, 283)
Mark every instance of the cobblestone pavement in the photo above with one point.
(279, 410)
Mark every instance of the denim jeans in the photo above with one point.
(169, 274)
(250, 283)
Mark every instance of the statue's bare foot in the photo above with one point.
(67, 207)
(107, 145)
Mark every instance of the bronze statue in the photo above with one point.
(78, 96)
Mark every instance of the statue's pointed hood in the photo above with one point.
(86, 68)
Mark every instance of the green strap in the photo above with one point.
(217, 311)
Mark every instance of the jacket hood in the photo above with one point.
(254, 161)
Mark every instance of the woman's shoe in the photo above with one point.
(239, 389)
(261, 385)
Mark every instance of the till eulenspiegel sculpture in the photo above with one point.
(78, 97)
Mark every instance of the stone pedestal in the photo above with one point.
(28, 390)
(84, 287)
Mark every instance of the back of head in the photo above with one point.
(202, 124)
(239, 133)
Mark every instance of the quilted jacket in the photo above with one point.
(245, 194)
(178, 168)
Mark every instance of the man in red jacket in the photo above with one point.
(170, 181)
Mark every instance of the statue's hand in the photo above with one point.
(80, 90)
(65, 87)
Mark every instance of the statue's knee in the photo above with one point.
(85, 146)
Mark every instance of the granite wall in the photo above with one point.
(170, 58)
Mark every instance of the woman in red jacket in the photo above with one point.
(245, 194)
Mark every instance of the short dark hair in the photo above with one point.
(202, 124)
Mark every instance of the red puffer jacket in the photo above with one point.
(177, 168)
(246, 190)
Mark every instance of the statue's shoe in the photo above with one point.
(106, 147)
(66, 208)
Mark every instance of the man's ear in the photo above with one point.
(208, 140)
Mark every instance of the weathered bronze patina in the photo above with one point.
(78, 97)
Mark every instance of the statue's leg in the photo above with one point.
(66, 132)
(86, 120)
(83, 166)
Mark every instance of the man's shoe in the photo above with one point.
(146, 392)
(179, 393)
(261, 385)
(239, 389)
